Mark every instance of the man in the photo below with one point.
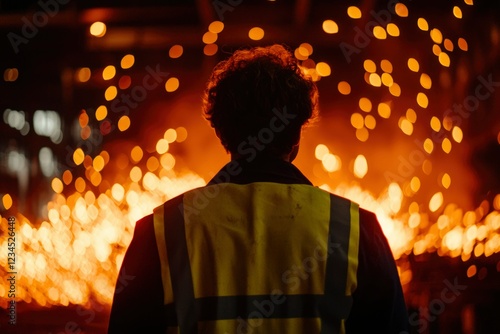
(259, 249)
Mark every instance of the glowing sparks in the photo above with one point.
(98, 29)
(436, 36)
(127, 61)
(360, 166)
(436, 201)
(323, 69)
(124, 123)
(365, 104)
(354, 12)
(344, 88)
(172, 84)
(384, 110)
(422, 24)
(7, 201)
(413, 65)
(216, 27)
(109, 72)
(369, 66)
(401, 9)
(320, 151)
(330, 27)
(256, 33)
(176, 51)
(422, 100)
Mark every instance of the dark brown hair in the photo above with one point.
(245, 92)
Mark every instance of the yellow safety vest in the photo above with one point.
(257, 258)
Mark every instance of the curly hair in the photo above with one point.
(246, 92)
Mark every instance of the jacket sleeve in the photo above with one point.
(138, 298)
(378, 302)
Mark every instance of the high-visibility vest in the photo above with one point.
(257, 258)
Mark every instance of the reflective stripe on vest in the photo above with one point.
(258, 258)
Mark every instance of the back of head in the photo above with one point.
(260, 97)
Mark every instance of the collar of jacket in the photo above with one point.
(260, 169)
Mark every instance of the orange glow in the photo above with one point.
(457, 12)
(98, 29)
(422, 100)
(436, 36)
(370, 122)
(422, 24)
(446, 145)
(127, 61)
(109, 72)
(320, 151)
(344, 88)
(446, 180)
(7, 201)
(323, 69)
(209, 38)
(457, 134)
(101, 113)
(444, 59)
(83, 74)
(379, 32)
(331, 163)
(411, 115)
(330, 27)
(365, 104)
(448, 44)
(387, 79)
(435, 124)
(172, 84)
(425, 81)
(436, 201)
(256, 33)
(136, 154)
(369, 66)
(67, 177)
(216, 27)
(413, 64)
(162, 146)
(375, 80)
(357, 120)
(462, 44)
(386, 66)
(73, 254)
(406, 126)
(392, 30)
(98, 163)
(384, 110)
(395, 89)
(362, 134)
(428, 145)
(110, 93)
(78, 156)
(210, 49)
(354, 12)
(176, 51)
(360, 166)
(401, 9)
(415, 184)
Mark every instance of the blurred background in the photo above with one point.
(100, 105)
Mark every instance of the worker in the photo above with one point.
(259, 249)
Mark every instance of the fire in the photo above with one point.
(74, 257)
